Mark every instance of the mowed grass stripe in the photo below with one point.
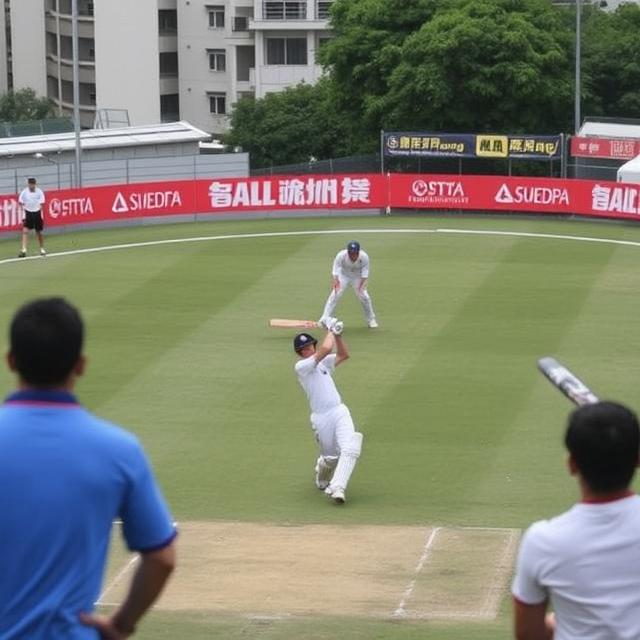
(529, 473)
(196, 282)
(473, 378)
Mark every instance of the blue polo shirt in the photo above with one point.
(64, 476)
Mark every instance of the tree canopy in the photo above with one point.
(24, 104)
(447, 65)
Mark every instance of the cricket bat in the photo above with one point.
(566, 381)
(286, 323)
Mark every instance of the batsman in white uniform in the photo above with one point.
(340, 444)
(350, 267)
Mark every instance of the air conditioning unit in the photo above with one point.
(240, 23)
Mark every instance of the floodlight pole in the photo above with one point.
(76, 90)
(578, 55)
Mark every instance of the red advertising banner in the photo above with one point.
(611, 148)
(501, 193)
(370, 191)
(122, 202)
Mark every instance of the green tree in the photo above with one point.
(24, 104)
(464, 65)
(290, 126)
(611, 63)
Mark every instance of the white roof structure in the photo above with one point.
(629, 171)
(166, 133)
(610, 130)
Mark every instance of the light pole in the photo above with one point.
(576, 111)
(76, 89)
(41, 156)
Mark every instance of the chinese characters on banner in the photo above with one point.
(613, 148)
(341, 192)
(421, 144)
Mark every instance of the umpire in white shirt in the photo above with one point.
(31, 200)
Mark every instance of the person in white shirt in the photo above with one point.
(340, 444)
(350, 267)
(585, 563)
(31, 200)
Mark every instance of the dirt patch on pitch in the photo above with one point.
(364, 571)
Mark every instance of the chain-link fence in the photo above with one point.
(35, 127)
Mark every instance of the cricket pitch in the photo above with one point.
(401, 572)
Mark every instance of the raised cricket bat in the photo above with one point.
(566, 381)
(286, 323)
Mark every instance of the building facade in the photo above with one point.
(161, 60)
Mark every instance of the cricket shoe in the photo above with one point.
(336, 494)
(22, 254)
(373, 324)
(43, 253)
(323, 474)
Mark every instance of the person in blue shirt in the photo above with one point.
(65, 475)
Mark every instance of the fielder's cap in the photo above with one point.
(31, 180)
(353, 247)
(303, 340)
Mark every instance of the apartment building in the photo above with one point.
(161, 60)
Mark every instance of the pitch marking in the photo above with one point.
(400, 610)
(279, 234)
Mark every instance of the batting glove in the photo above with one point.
(329, 323)
(337, 328)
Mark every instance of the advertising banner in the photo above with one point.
(421, 144)
(502, 193)
(126, 202)
(610, 148)
(335, 192)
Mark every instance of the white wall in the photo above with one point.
(127, 58)
(28, 45)
(195, 37)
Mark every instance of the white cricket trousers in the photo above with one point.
(333, 429)
(363, 297)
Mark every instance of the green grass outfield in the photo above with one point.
(460, 428)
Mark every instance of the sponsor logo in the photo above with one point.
(618, 199)
(437, 192)
(241, 194)
(70, 207)
(9, 213)
(393, 142)
(146, 201)
(532, 195)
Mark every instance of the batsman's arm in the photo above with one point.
(342, 352)
(325, 347)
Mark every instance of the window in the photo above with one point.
(284, 9)
(169, 107)
(216, 16)
(240, 23)
(290, 51)
(218, 103)
(322, 9)
(167, 21)
(217, 59)
(169, 63)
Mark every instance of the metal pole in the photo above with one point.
(76, 90)
(578, 55)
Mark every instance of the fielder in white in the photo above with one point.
(585, 563)
(351, 267)
(340, 444)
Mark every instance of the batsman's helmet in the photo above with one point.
(302, 340)
(353, 247)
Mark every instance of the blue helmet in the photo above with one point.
(353, 247)
(302, 340)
